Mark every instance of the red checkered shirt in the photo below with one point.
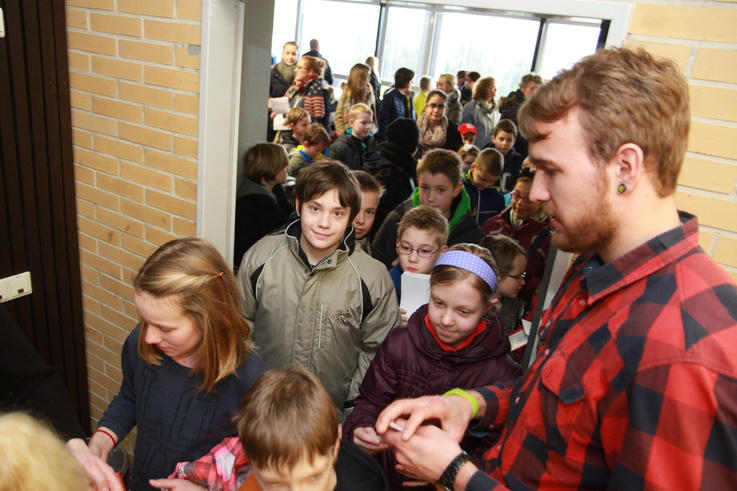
(635, 384)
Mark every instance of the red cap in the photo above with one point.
(467, 128)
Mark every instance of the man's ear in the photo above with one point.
(473, 166)
(627, 166)
(298, 207)
(458, 189)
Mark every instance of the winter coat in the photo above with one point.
(453, 105)
(286, 139)
(394, 105)
(419, 102)
(526, 235)
(410, 363)
(330, 318)
(462, 226)
(517, 98)
(278, 85)
(350, 150)
(346, 102)
(484, 120)
(258, 212)
(485, 203)
(396, 169)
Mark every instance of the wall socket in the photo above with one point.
(15, 286)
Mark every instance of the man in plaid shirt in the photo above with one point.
(635, 382)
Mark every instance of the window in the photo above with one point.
(565, 44)
(285, 26)
(502, 47)
(346, 31)
(403, 41)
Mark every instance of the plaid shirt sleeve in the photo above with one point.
(635, 380)
(224, 468)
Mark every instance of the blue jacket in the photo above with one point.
(393, 106)
(484, 204)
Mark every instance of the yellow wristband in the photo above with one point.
(460, 392)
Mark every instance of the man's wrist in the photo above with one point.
(448, 477)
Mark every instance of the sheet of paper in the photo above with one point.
(280, 122)
(279, 105)
(518, 339)
(415, 291)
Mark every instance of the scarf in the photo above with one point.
(485, 106)
(286, 71)
(432, 136)
(298, 87)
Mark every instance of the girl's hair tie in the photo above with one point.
(469, 262)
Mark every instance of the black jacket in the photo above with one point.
(396, 169)
(351, 151)
(257, 212)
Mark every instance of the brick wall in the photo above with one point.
(134, 91)
(702, 38)
(134, 77)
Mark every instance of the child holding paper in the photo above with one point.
(421, 237)
(456, 340)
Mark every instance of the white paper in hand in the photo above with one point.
(415, 291)
(279, 105)
(280, 122)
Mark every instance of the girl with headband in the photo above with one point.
(456, 340)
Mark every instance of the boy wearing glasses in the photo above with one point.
(440, 187)
(524, 221)
(421, 237)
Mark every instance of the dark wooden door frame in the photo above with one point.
(38, 228)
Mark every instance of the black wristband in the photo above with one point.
(447, 479)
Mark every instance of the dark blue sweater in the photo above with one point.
(175, 421)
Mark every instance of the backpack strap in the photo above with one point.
(537, 243)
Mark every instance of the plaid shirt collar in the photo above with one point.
(601, 279)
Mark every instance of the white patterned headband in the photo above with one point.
(469, 262)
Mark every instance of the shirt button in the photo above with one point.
(546, 352)
(516, 401)
(498, 447)
(582, 302)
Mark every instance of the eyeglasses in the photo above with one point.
(520, 196)
(436, 106)
(406, 249)
(518, 277)
(301, 67)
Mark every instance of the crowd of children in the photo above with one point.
(320, 258)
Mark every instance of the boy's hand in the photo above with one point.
(367, 438)
(175, 485)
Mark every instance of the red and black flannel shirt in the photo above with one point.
(635, 384)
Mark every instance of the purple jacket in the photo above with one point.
(410, 363)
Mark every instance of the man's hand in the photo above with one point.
(366, 438)
(101, 476)
(175, 485)
(453, 412)
(426, 455)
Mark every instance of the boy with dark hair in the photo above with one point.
(439, 176)
(268, 453)
(314, 143)
(370, 195)
(486, 200)
(312, 299)
(397, 101)
(356, 141)
(505, 133)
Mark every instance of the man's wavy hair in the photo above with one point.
(625, 96)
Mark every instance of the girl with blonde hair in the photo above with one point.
(185, 367)
(356, 90)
